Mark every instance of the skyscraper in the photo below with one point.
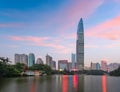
(80, 46)
(50, 62)
(104, 65)
(31, 59)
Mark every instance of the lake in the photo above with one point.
(61, 83)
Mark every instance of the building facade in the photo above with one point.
(73, 60)
(98, 66)
(21, 58)
(39, 61)
(31, 59)
(50, 62)
(53, 65)
(70, 66)
(93, 66)
(48, 59)
(62, 65)
(104, 65)
(80, 46)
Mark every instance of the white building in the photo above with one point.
(21, 58)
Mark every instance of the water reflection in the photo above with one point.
(65, 83)
(61, 83)
(104, 84)
(33, 87)
(75, 82)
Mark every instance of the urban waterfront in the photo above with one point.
(61, 83)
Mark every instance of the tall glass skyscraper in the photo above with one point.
(31, 59)
(80, 46)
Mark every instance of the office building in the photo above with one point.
(73, 60)
(104, 66)
(80, 46)
(62, 65)
(21, 58)
(31, 59)
(50, 62)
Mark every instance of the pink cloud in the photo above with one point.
(29, 38)
(109, 29)
(69, 16)
(83, 8)
(42, 41)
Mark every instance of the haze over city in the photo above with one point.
(50, 26)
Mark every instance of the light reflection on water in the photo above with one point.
(61, 83)
(104, 84)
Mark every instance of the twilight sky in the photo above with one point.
(50, 26)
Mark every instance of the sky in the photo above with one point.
(50, 26)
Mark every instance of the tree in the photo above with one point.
(20, 67)
(115, 72)
(43, 68)
(7, 70)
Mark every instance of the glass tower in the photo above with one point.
(80, 46)
(31, 59)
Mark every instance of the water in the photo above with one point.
(61, 83)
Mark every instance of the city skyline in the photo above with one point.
(50, 26)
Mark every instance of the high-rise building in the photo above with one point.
(53, 65)
(48, 59)
(21, 58)
(70, 66)
(104, 66)
(62, 65)
(80, 46)
(31, 59)
(39, 61)
(50, 62)
(97, 66)
(73, 60)
(17, 58)
(93, 66)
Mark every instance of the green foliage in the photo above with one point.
(44, 68)
(11, 71)
(7, 70)
(115, 72)
(15, 70)
(95, 72)
(19, 66)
